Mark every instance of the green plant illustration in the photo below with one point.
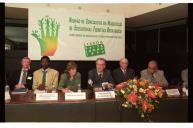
(47, 35)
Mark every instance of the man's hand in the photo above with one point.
(109, 85)
(18, 86)
(49, 90)
(98, 89)
(65, 90)
(41, 87)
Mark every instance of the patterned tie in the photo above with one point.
(44, 77)
(100, 77)
(124, 72)
(23, 80)
(153, 79)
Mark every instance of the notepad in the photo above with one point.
(172, 92)
(19, 91)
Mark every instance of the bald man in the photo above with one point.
(153, 74)
(123, 73)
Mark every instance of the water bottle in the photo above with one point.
(90, 82)
(7, 88)
(54, 89)
(7, 95)
(79, 88)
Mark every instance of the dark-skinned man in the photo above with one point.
(45, 78)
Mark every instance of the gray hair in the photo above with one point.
(152, 62)
(101, 59)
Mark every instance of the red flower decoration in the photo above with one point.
(132, 97)
(120, 86)
(151, 94)
(145, 105)
(157, 85)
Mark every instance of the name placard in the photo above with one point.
(105, 95)
(46, 96)
(39, 91)
(75, 96)
(172, 92)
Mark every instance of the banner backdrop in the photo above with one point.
(75, 35)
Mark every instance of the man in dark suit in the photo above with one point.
(100, 75)
(123, 73)
(22, 78)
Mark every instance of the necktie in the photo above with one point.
(153, 79)
(124, 72)
(44, 77)
(23, 80)
(100, 77)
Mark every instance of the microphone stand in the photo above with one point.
(90, 89)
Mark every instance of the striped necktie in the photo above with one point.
(24, 77)
(100, 76)
(124, 72)
(44, 77)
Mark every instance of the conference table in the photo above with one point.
(25, 108)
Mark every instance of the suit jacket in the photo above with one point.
(158, 75)
(13, 79)
(120, 77)
(106, 77)
(51, 78)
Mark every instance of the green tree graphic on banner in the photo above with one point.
(47, 36)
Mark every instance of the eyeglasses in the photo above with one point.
(100, 64)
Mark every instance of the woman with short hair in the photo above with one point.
(70, 79)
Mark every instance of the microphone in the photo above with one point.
(90, 89)
(90, 82)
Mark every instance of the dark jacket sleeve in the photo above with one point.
(132, 73)
(29, 80)
(13, 79)
(116, 76)
(110, 78)
(91, 75)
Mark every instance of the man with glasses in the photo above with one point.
(100, 75)
(153, 74)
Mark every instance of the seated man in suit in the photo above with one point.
(100, 75)
(123, 73)
(45, 78)
(22, 78)
(184, 77)
(153, 74)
